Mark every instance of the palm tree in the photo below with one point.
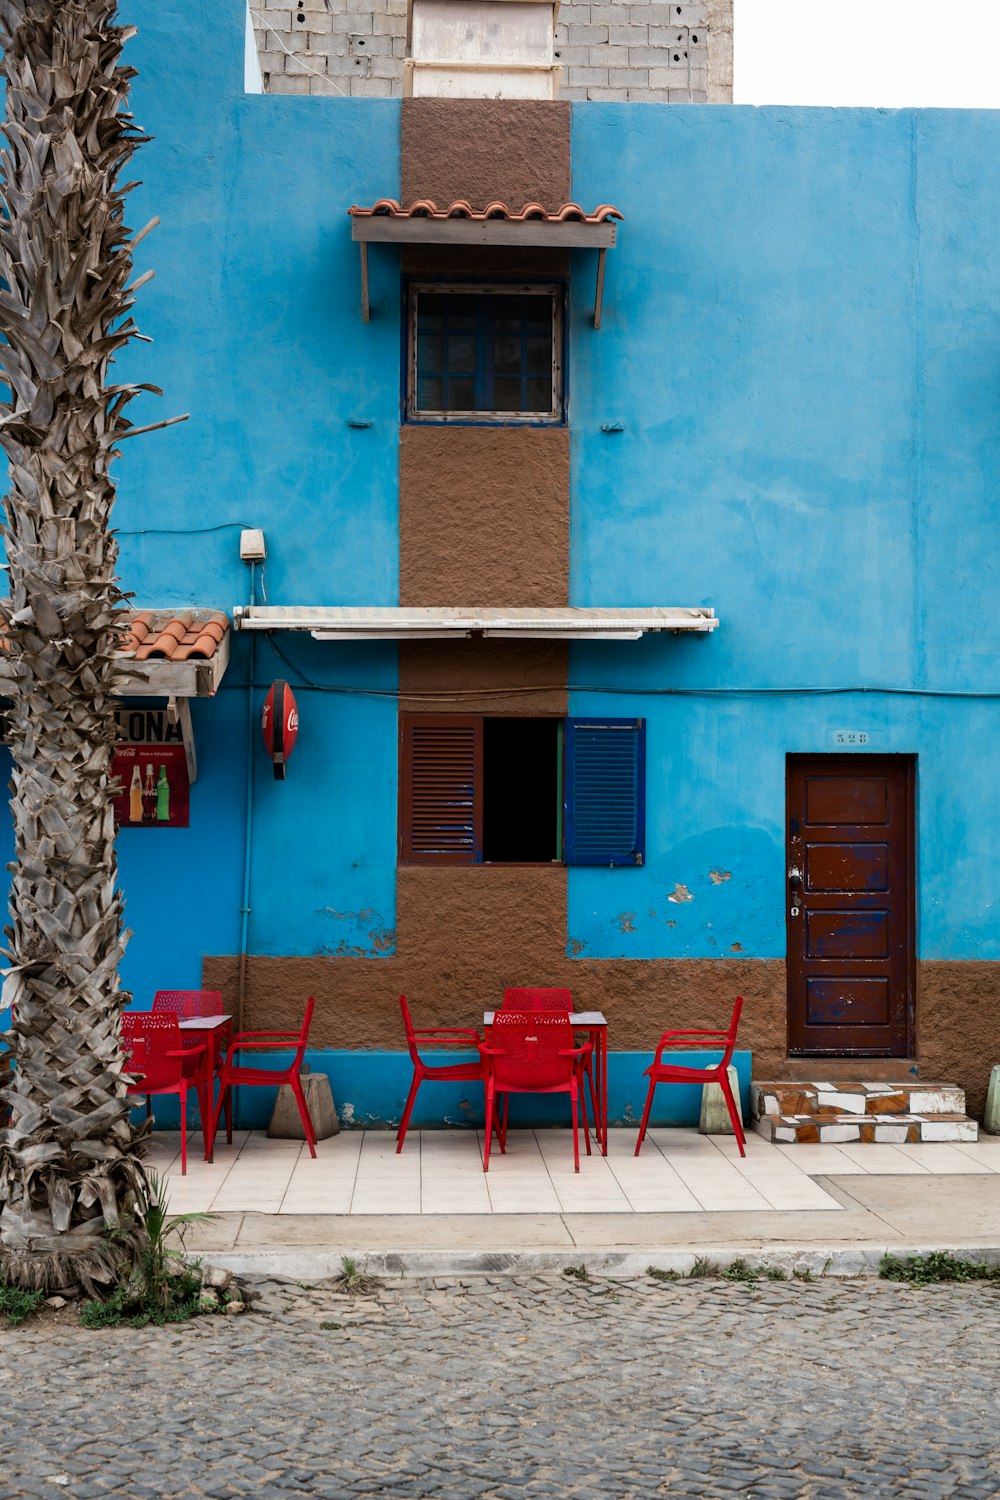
(69, 1172)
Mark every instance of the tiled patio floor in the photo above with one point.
(440, 1172)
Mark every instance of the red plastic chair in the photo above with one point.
(661, 1072)
(235, 1073)
(159, 1064)
(532, 1052)
(188, 1003)
(552, 999)
(469, 1072)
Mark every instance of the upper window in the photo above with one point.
(476, 790)
(485, 354)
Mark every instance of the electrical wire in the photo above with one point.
(306, 684)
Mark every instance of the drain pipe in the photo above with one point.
(241, 982)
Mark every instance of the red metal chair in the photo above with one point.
(438, 1036)
(188, 1003)
(532, 1052)
(234, 1073)
(159, 1064)
(661, 1072)
(553, 999)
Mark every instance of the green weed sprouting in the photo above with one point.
(16, 1305)
(938, 1266)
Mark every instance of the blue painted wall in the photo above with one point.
(801, 336)
(818, 293)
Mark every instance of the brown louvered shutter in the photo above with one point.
(441, 789)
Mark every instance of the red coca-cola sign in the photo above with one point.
(279, 724)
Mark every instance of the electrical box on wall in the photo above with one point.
(252, 547)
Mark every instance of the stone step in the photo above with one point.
(826, 1100)
(891, 1130)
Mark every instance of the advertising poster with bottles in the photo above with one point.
(151, 766)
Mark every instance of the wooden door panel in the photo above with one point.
(849, 1001)
(832, 868)
(862, 934)
(850, 900)
(839, 800)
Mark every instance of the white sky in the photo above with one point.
(894, 53)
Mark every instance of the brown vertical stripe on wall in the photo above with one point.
(485, 150)
(484, 516)
(478, 672)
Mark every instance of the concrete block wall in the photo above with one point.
(664, 51)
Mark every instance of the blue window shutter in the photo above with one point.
(605, 811)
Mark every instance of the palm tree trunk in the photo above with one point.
(68, 1164)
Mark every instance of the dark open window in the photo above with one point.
(508, 790)
(485, 354)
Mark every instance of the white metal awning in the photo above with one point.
(351, 623)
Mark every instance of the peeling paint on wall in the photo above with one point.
(680, 893)
(626, 921)
(719, 877)
(574, 947)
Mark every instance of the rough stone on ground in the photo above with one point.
(510, 1388)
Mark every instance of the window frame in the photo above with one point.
(470, 796)
(553, 286)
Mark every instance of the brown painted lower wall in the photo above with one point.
(464, 935)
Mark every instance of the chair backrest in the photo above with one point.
(411, 1040)
(734, 1024)
(303, 1041)
(535, 999)
(189, 1002)
(529, 1044)
(148, 1036)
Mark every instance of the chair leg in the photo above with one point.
(184, 1141)
(583, 1114)
(304, 1115)
(224, 1091)
(490, 1122)
(645, 1115)
(502, 1133)
(576, 1138)
(229, 1114)
(411, 1099)
(593, 1100)
(734, 1114)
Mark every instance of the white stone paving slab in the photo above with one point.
(440, 1172)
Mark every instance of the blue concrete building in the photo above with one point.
(785, 426)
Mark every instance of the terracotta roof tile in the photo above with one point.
(426, 208)
(175, 635)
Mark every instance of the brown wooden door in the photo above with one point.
(849, 905)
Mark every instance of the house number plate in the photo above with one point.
(849, 737)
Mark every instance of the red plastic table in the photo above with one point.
(596, 1027)
(216, 1031)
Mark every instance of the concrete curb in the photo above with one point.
(817, 1260)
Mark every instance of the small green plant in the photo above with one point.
(775, 1273)
(353, 1281)
(161, 1287)
(328, 1326)
(580, 1272)
(803, 1275)
(938, 1266)
(702, 1267)
(16, 1305)
(740, 1271)
(656, 1274)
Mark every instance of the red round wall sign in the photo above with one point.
(279, 724)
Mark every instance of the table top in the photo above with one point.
(580, 1018)
(203, 1023)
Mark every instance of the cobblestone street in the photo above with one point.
(519, 1387)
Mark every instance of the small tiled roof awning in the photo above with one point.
(172, 653)
(425, 223)
(351, 623)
